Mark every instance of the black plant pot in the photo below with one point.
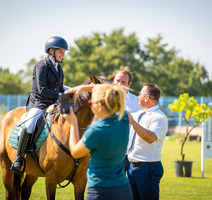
(183, 168)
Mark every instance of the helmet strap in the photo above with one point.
(54, 56)
(56, 59)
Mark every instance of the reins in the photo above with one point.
(31, 117)
(76, 161)
(83, 129)
(37, 114)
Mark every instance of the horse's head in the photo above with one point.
(100, 79)
(85, 96)
(82, 100)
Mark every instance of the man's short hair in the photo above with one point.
(153, 90)
(125, 70)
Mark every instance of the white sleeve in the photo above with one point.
(66, 87)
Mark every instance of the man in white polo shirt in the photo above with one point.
(148, 130)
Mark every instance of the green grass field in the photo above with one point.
(171, 187)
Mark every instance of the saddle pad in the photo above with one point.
(13, 140)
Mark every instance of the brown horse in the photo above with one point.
(57, 165)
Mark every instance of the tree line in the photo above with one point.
(102, 54)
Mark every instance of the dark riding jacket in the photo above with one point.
(46, 85)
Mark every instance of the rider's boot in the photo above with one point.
(22, 147)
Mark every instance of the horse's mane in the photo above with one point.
(80, 101)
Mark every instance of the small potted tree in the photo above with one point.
(198, 114)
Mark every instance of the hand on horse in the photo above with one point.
(71, 117)
(79, 89)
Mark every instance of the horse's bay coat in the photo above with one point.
(57, 165)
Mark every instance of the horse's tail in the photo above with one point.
(17, 186)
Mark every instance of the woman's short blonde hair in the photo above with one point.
(112, 97)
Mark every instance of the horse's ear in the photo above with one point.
(93, 78)
(112, 77)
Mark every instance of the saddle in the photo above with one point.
(38, 137)
(39, 126)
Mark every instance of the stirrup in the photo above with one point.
(17, 169)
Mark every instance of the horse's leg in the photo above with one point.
(12, 192)
(12, 183)
(51, 185)
(17, 185)
(27, 186)
(80, 179)
(8, 178)
(79, 187)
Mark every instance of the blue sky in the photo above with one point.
(26, 25)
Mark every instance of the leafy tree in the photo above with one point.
(102, 54)
(157, 53)
(173, 74)
(192, 110)
(28, 72)
(181, 76)
(155, 62)
(19, 83)
(10, 83)
(206, 88)
(3, 110)
(26, 75)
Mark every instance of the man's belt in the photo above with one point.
(46, 101)
(136, 164)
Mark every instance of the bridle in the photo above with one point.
(76, 161)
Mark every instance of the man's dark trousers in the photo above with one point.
(144, 180)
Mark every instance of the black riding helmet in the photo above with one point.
(56, 42)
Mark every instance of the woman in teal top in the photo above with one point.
(106, 141)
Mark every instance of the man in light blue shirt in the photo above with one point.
(124, 77)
